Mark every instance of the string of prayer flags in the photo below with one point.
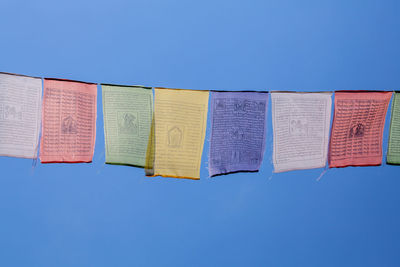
(238, 130)
(166, 138)
(359, 119)
(68, 121)
(20, 115)
(393, 154)
(301, 130)
(128, 112)
(180, 119)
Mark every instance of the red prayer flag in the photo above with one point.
(69, 121)
(358, 122)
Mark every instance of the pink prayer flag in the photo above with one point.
(69, 121)
(356, 137)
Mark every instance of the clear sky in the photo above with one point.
(98, 215)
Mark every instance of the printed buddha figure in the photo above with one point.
(69, 125)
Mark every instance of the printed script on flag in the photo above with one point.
(237, 131)
(69, 121)
(180, 125)
(301, 130)
(359, 119)
(393, 154)
(128, 112)
(20, 115)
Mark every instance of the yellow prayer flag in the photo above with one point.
(180, 118)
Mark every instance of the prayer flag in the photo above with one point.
(358, 122)
(238, 131)
(180, 119)
(301, 130)
(20, 115)
(69, 121)
(127, 112)
(393, 154)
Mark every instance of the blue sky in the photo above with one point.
(98, 215)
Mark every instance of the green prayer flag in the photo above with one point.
(393, 154)
(128, 113)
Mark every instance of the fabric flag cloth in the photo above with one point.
(301, 130)
(180, 119)
(393, 154)
(238, 130)
(128, 112)
(20, 115)
(69, 121)
(358, 122)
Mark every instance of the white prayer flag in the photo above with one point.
(20, 115)
(301, 130)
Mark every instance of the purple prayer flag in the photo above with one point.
(238, 130)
